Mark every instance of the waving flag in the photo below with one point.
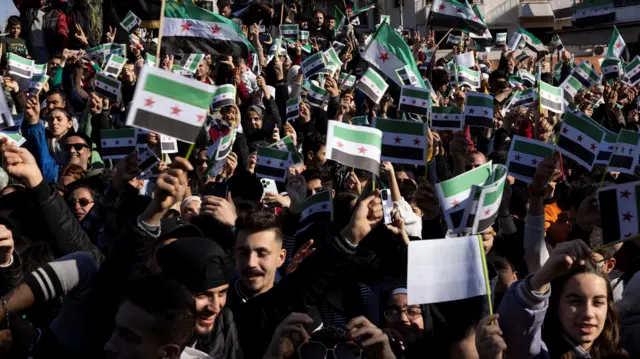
(293, 109)
(272, 163)
(533, 42)
(289, 31)
(407, 76)
(453, 39)
(387, 51)
(224, 95)
(485, 211)
(354, 146)
(403, 141)
(478, 110)
(590, 12)
(551, 97)
(316, 209)
(468, 77)
(446, 118)
(169, 104)
(286, 144)
(373, 85)
(414, 100)
(346, 80)
(19, 67)
(524, 157)
(632, 71)
(455, 194)
(611, 68)
(191, 29)
(579, 140)
(557, 42)
(150, 60)
(107, 87)
(130, 22)
(116, 144)
(586, 74)
(313, 65)
(501, 38)
(191, 62)
(521, 98)
(96, 54)
(624, 157)
(457, 15)
(316, 95)
(617, 47)
(619, 210)
(114, 65)
(13, 136)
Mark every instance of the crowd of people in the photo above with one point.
(98, 261)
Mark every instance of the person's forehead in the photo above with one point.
(259, 239)
(54, 97)
(81, 192)
(314, 183)
(75, 139)
(134, 319)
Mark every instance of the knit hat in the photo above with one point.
(197, 263)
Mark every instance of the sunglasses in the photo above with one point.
(76, 146)
(317, 350)
(82, 201)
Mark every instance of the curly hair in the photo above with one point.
(606, 345)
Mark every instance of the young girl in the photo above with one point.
(564, 310)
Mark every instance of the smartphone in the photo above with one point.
(261, 28)
(387, 205)
(217, 189)
(264, 37)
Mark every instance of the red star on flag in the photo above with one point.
(117, 142)
(630, 150)
(398, 139)
(442, 7)
(611, 148)
(104, 143)
(625, 194)
(424, 103)
(268, 162)
(324, 206)
(471, 111)
(148, 102)
(281, 164)
(446, 117)
(130, 142)
(459, 11)
(622, 150)
(414, 101)
(486, 112)
(404, 99)
(565, 130)
(627, 216)
(618, 45)
(615, 68)
(477, 18)
(384, 56)
(362, 149)
(486, 213)
(579, 138)
(416, 141)
(186, 26)
(455, 203)
(201, 118)
(175, 110)
(517, 158)
(534, 162)
(593, 146)
(310, 210)
(215, 29)
(340, 144)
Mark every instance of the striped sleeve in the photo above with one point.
(61, 276)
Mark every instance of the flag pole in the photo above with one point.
(444, 37)
(186, 157)
(160, 34)
(485, 271)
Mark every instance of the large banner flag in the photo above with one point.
(116, 144)
(387, 51)
(446, 119)
(169, 104)
(414, 100)
(580, 140)
(478, 110)
(617, 47)
(551, 97)
(524, 157)
(130, 22)
(354, 146)
(624, 157)
(619, 212)
(191, 29)
(486, 37)
(457, 15)
(403, 142)
(316, 209)
(272, 163)
(373, 85)
(461, 273)
(455, 195)
(590, 12)
(533, 42)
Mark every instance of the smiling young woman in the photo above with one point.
(564, 310)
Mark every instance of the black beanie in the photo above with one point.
(197, 263)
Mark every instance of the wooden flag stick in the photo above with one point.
(444, 37)
(160, 34)
(487, 280)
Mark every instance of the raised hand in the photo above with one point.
(426, 199)
(220, 208)
(297, 191)
(111, 34)
(288, 336)
(366, 216)
(6, 245)
(79, 35)
(291, 132)
(32, 111)
(489, 342)
(126, 170)
(371, 339)
(252, 161)
(170, 189)
(19, 163)
(565, 256)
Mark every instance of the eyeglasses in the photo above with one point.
(395, 314)
(76, 146)
(82, 201)
(317, 350)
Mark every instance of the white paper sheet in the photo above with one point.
(442, 270)
(465, 59)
